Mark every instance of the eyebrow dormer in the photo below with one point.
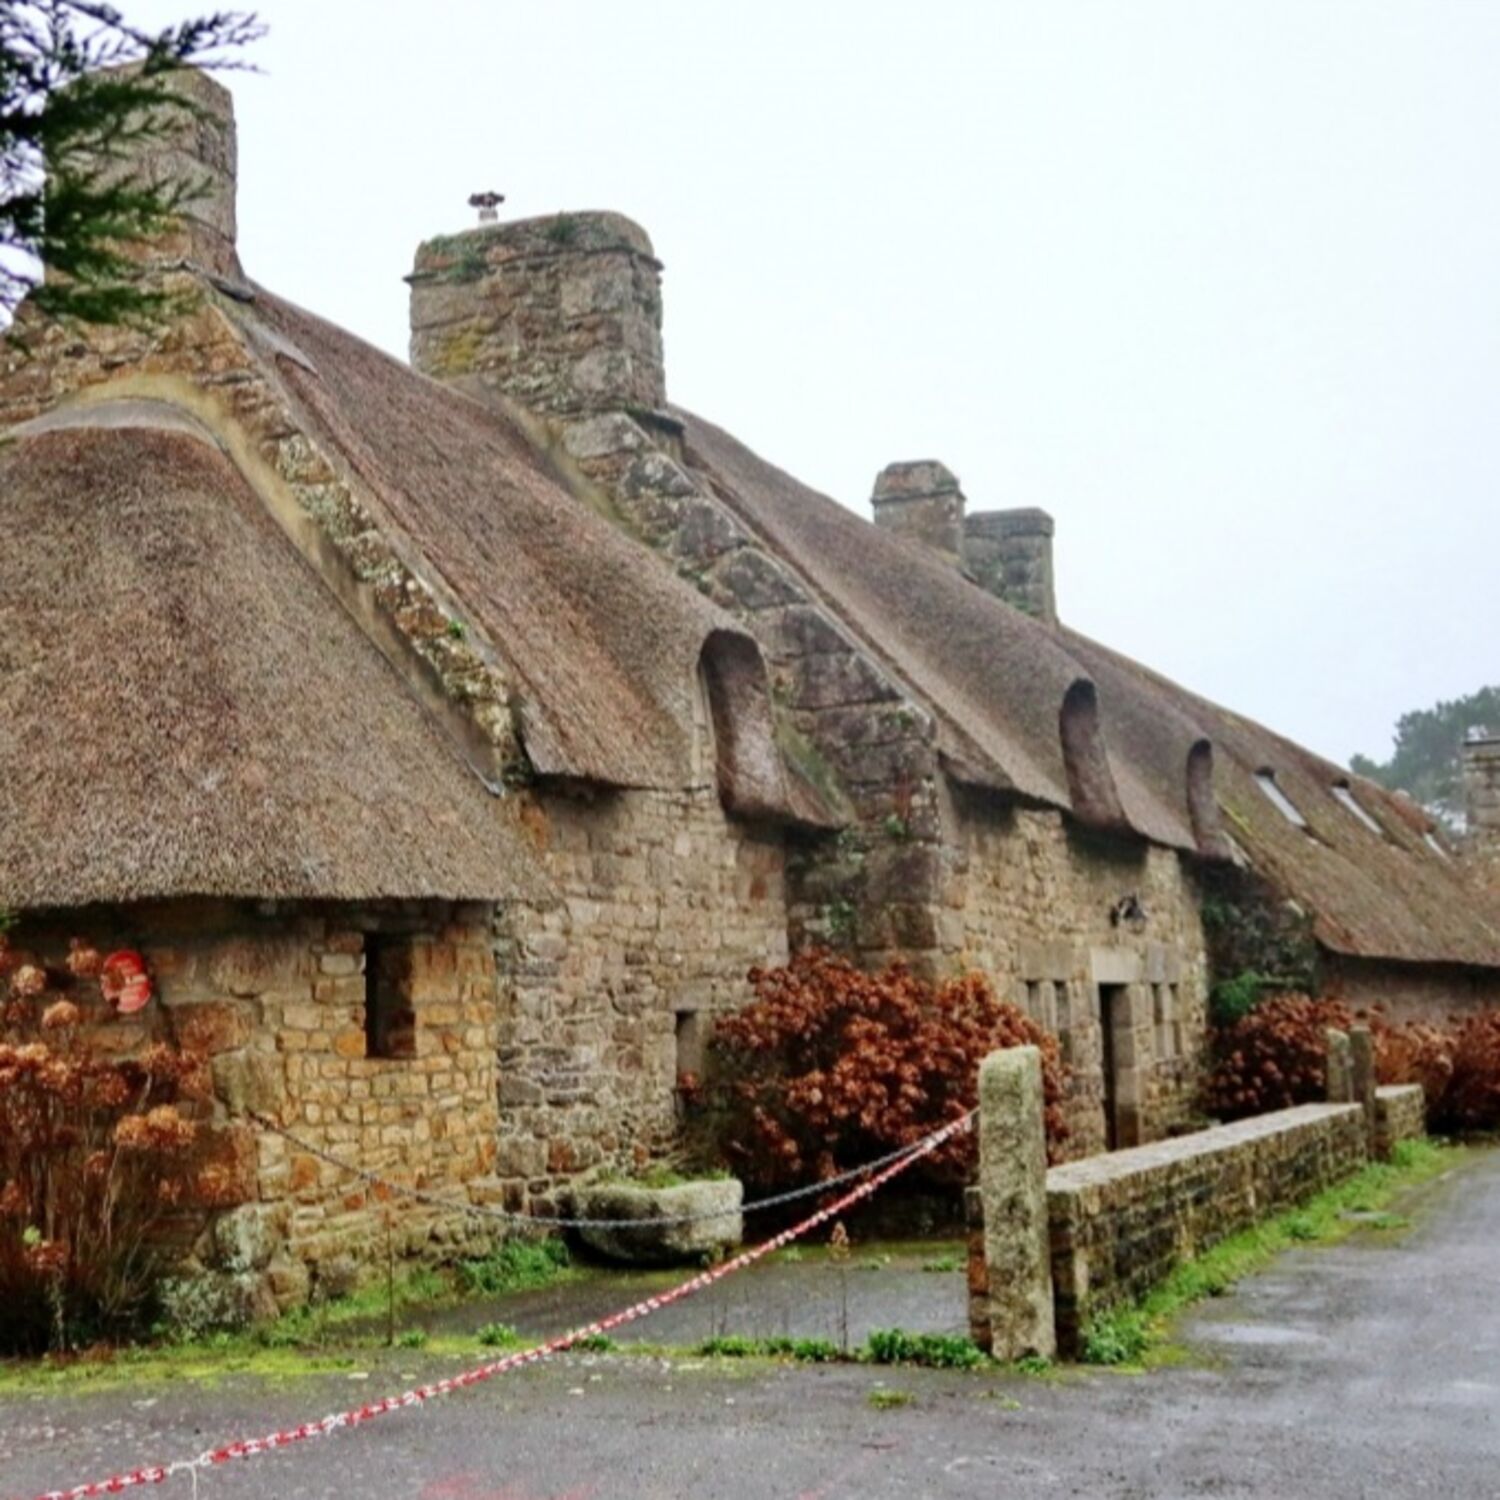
(1091, 782)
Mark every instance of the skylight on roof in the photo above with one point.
(1346, 796)
(1283, 804)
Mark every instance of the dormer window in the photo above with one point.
(1344, 793)
(1265, 779)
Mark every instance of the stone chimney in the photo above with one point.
(1481, 773)
(561, 314)
(195, 147)
(921, 500)
(1009, 553)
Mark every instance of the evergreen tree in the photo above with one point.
(1426, 760)
(80, 88)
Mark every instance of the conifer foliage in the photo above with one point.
(80, 90)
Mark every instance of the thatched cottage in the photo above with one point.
(452, 738)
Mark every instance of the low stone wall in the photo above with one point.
(1400, 1115)
(1120, 1222)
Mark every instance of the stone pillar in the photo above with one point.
(1362, 1078)
(1015, 1287)
(561, 315)
(921, 500)
(1340, 1068)
(1009, 553)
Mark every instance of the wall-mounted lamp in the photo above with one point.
(1128, 912)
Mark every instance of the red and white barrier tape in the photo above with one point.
(355, 1416)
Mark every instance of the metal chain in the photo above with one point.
(658, 1221)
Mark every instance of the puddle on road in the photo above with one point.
(1256, 1334)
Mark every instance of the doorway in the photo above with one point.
(1114, 1021)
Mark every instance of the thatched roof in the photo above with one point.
(996, 681)
(186, 709)
(1389, 894)
(602, 636)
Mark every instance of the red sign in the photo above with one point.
(124, 982)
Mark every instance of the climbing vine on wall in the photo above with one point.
(1259, 943)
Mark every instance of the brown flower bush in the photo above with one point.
(1471, 1100)
(95, 1152)
(828, 1067)
(1276, 1056)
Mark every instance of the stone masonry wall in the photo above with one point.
(1034, 899)
(609, 992)
(1410, 992)
(1400, 1115)
(276, 999)
(1119, 1223)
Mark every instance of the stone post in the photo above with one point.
(1340, 1068)
(1362, 1077)
(1014, 1289)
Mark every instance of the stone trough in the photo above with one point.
(714, 1202)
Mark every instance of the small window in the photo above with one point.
(1346, 797)
(1266, 781)
(390, 1023)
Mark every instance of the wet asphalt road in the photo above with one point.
(1367, 1370)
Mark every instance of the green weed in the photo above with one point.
(942, 1351)
(516, 1266)
(499, 1336)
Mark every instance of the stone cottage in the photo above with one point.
(452, 738)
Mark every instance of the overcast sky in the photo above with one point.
(1216, 284)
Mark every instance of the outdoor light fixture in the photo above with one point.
(1128, 912)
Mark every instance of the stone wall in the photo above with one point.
(1410, 992)
(1119, 1223)
(276, 999)
(1400, 1115)
(1033, 899)
(608, 992)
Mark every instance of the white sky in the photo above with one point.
(1216, 284)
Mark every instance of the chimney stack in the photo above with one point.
(921, 500)
(1009, 553)
(1481, 774)
(195, 147)
(560, 314)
